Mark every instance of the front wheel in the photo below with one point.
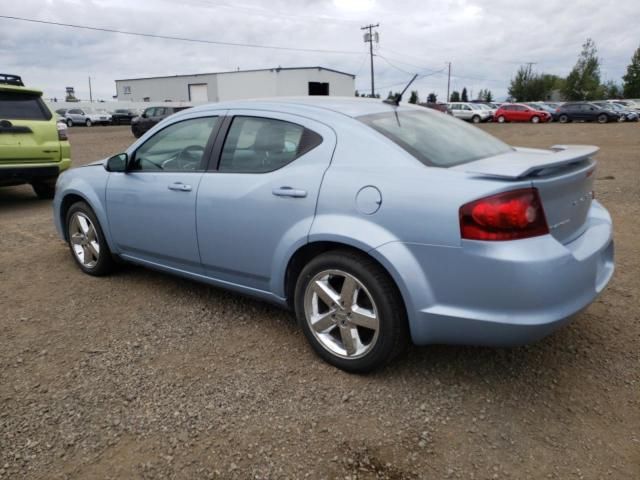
(603, 118)
(535, 119)
(563, 118)
(86, 241)
(351, 312)
(88, 123)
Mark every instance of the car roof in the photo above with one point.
(315, 106)
(17, 89)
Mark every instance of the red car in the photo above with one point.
(517, 112)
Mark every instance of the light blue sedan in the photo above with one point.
(376, 223)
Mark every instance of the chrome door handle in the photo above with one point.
(180, 187)
(289, 192)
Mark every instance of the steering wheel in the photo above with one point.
(190, 151)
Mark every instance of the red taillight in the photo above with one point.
(506, 216)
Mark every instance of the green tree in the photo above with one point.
(583, 83)
(414, 97)
(488, 96)
(455, 96)
(464, 97)
(611, 90)
(529, 86)
(631, 88)
(432, 98)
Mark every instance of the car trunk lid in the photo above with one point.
(563, 176)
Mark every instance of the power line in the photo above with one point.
(418, 78)
(180, 39)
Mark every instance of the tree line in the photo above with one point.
(582, 83)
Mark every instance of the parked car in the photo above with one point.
(87, 116)
(123, 116)
(628, 104)
(33, 147)
(519, 112)
(375, 223)
(471, 112)
(586, 112)
(545, 108)
(441, 107)
(62, 111)
(625, 114)
(150, 117)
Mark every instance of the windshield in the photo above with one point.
(434, 138)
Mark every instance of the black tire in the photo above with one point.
(105, 263)
(501, 119)
(69, 122)
(44, 189)
(87, 122)
(535, 119)
(563, 118)
(136, 133)
(393, 332)
(603, 118)
(475, 119)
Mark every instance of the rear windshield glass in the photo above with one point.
(435, 138)
(22, 106)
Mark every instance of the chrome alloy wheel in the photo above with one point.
(341, 314)
(84, 240)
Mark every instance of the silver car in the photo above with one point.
(471, 112)
(375, 223)
(87, 116)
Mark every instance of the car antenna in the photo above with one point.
(398, 96)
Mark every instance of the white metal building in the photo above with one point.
(221, 86)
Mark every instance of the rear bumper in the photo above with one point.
(502, 293)
(13, 174)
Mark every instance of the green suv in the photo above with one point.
(33, 145)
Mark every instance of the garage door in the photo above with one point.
(198, 93)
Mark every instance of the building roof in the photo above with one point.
(276, 69)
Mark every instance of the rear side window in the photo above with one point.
(22, 106)
(435, 139)
(260, 145)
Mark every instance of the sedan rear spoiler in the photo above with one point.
(522, 162)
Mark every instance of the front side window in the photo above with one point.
(179, 147)
(435, 140)
(259, 145)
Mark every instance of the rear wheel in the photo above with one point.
(45, 189)
(475, 119)
(88, 122)
(603, 118)
(501, 119)
(563, 118)
(69, 122)
(86, 241)
(535, 119)
(350, 311)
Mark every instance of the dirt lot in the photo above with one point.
(143, 375)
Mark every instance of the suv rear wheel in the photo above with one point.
(563, 118)
(69, 122)
(475, 119)
(603, 118)
(45, 189)
(88, 122)
(351, 312)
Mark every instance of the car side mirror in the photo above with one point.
(117, 163)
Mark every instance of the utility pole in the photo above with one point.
(448, 81)
(369, 37)
(90, 94)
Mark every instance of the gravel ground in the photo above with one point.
(143, 375)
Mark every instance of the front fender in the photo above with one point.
(92, 194)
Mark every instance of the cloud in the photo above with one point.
(485, 41)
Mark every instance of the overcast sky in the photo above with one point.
(485, 40)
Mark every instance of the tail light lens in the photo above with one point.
(506, 216)
(62, 131)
